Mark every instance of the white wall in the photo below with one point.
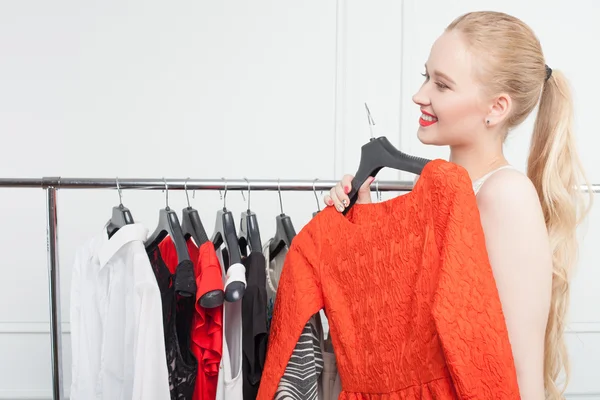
(266, 89)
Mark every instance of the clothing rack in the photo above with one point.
(52, 184)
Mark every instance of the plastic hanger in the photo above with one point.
(121, 215)
(249, 235)
(284, 231)
(226, 235)
(379, 153)
(168, 224)
(190, 222)
(191, 226)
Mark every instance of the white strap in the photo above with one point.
(479, 182)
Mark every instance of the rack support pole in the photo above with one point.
(54, 293)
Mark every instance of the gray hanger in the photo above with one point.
(168, 224)
(121, 215)
(379, 153)
(225, 234)
(284, 230)
(249, 235)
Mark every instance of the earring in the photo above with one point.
(487, 121)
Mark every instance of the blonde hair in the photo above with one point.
(513, 63)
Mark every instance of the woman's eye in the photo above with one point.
(441, 85)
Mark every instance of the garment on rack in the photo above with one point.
(330, 384)
(117, 340)
(409, 293)
(301, 377)
(254, 323)
(178, 312)
(230, 384)
(300, 381)
(207, 323)
(273, 270)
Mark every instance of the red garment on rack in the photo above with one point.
(407, 287)
(207, 323)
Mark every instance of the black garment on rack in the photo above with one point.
(254, 324)
(177, 320)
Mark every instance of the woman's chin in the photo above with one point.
(426, 136)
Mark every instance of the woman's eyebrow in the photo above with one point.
(442, 75)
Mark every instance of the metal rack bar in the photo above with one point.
(199, 184)
(53, 184)
(192, 184)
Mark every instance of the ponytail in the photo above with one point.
(557, 174)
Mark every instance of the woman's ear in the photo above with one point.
(499, 110)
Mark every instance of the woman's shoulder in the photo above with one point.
(508, 193)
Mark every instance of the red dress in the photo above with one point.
(207, 323)
(409, 293)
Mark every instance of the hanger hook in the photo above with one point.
(371, 121)
(224, 195)
(315, 192)
(166, 193)
(378, 192)
(248, 201)
(187, 196)
(119, 190)
(279, 191)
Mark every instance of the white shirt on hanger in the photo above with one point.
(118, 346)
(230, 383)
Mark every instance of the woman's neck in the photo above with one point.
(478, 161)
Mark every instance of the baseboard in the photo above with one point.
(31, 327)
(25, 395)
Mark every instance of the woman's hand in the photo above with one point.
(338, 195)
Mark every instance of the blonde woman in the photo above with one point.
(485, 74)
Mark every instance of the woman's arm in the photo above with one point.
(520, 256)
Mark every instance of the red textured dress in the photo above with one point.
(409, 293)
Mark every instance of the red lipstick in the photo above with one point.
(427, 119)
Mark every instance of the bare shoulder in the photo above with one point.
(509, 192)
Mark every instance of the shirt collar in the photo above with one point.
(126, 234)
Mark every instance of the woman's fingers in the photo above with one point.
(338, 195)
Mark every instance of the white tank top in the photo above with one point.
(477, 184)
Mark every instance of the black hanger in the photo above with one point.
(284, 232)
(121, 216)
(191, 226)
(225, 234)
(168, 224)
(377, 154)
(249, 235)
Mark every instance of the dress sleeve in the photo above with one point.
(467, 309)
(299, 297)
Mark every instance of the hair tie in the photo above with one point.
(548, 72)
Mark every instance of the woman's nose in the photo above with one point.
(420, 98)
